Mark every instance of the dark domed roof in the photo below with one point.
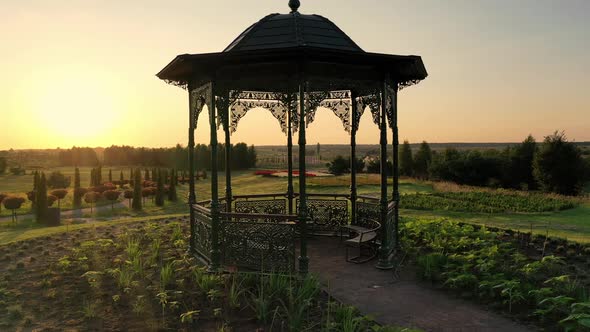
(293, 30)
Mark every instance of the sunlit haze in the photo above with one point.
(83, 72)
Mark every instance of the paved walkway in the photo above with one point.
(403, 302)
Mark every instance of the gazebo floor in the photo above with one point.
(403, 301)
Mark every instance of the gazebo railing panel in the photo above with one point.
(366, 211)
(254, 204)
(202, 228)
(390, 219)
(327, 213)
(258, 246)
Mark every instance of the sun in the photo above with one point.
(75, 108)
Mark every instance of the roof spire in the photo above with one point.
(294, 4)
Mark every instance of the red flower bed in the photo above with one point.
(272, 172)
(265, 173)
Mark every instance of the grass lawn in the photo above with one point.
(573, 224)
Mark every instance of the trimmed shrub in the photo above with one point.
(112, 196)
(91, 198)
(60, 194)
(13, 203)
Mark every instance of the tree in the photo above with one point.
(122, 178)
(339, 166)
(3, 165)
(50, 200)
(147, 175)
(2, 197)
(374, 166)
(98, 176)
(558, 165)
(172, 197)
(520, 169)
(160, 189)
(110, 175)
(41, 199)
(317, 152)
(406, 160)
(91, 198)
(422, 160)
(136, 205)
(129, 195)
(60, 194)
(112, 196)
(13, 203)
(252, 157)
(32, 195)
(77, 202)
(57, 180)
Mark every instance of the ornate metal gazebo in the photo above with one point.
(290, 64)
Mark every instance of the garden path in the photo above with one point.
(400, 301)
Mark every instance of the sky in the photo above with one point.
(82, 72)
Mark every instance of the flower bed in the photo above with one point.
(284, 173)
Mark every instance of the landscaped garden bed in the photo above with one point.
(139, 276)
(487, 202)
(536, 279)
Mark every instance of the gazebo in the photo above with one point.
(290, 64)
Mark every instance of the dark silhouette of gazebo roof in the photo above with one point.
(266, 56)
(293, 30)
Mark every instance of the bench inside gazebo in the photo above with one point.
(292, 64)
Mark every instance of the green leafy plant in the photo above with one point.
(166, 275)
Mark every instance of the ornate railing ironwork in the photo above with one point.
(254, 245)
(202, 232)
(259, 234)
(367, 209)
(327, 213)
(269, 204)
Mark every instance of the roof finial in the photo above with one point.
(294, 4)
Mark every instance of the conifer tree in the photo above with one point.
(77, 202)
(136, 204)
(110, 176)
(172, 197)
(98, 176)
(147, 175)
(36, 179)
(92, 177)
(406, 160)
(41, 199)
(160, 189)
(121, 178)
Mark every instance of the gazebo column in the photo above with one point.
(215, 220)
(395, 143)
(353, 192)
(289, 159)
(192, 197)
(384, 261)
(228, 189)
(303, 259)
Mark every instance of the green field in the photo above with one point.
(573, 224)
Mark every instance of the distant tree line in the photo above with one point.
(555, 165)
(77, 157)
(243, 156)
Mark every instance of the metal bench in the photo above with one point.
(364, 238)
